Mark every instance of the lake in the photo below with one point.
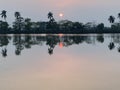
(60, 62)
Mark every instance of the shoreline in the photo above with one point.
(62, 33)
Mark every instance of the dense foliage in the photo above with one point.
(26, 26)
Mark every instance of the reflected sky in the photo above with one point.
(86, 66)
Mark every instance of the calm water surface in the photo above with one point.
(60, 62)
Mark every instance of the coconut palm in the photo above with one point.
(52, 20)
(119, 15)
(50, 16)
(17, 15)
(18, 24)
(50, 51)
(4, 52)
(111, 46)
(3, 14)
(111, 19)
(19, 21)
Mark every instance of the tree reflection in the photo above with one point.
(21, 42)
(119, 49)
(18, 42)
(4, 41)
(4, 52)
(111, 46)
(50, 51)
(27, 41)
(100, 38)
(51, 41)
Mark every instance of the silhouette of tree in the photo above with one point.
(51, 41)
(3, 14)
(119, 16)
(50, 17)
(18, 51)
(78, 26)
(51, 24)
(111, 46)
(28, 24)
(111, 19)
(27, 41)
(100, 26)
(19, 22)
(4, 52)
(119, 49)
(4, 26)
(50, 51)
(17, 15)
(100, 38)
(19, 44)
(4, 40)
(66, 25)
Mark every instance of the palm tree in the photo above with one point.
(18, 24)
(50, 16)
(3, 14)
(111, 46)
(17, 15)
(119, 15)
(50, 51)
(4, 52)
(111, 19)
(52, 20)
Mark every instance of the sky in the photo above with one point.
(75, 10)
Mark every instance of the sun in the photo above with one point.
(61, 14)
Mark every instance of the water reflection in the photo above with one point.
(22, 42)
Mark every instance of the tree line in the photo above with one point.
(23, 25)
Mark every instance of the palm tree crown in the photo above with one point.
(50, 15)
(119, 15)
(17, 15)
(111, 19)
(3, 14)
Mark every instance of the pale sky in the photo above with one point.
(75, 10)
